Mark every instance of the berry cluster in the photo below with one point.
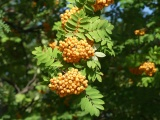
(53, 45)
(147, 67)
(67, 15)
(72, 82)
(140, 32)
(74, 50)
(100, 4)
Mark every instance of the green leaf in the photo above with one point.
(84, 20)
(89, 64)
(98, 101)
(72, 22)
(49, 51)
(109, 28)
(80, 35)
(92, 91)
(91, 76)
(99, 106)
(55, 52)
(102, 33)
(95, 24)
(78, 65)
(49, 63)
(109, 45)
(46, 56)
(99, 78)
(99, 54)
(95, 36)
(70, 34)
(83, 103)
(89, 36)
(39, 49)
(94, 58)
(90, 2)
(57, 64)
(88, 106)
(94, 96)
(65, 116)
(38, 62)
(42, 57)
(94, 19)
(93, 65)
(34, 52)
(100, 24)
(74, 17)
(104, 42)
(78, 4)
(19, 97)
(70, 6)
(96, 111)
(83, 72)
(81, 30)
(89, 9)
(91, 102)
(157, 36)
(45, 78)
(71, 1)
(70, 27)
(97, 63)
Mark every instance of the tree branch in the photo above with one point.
(21, 30)
(17, 89)
(29, 85)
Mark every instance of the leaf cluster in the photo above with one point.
(92, 102)
(47, 56)
(84, 25)
(3, 27)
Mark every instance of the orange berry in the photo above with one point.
(100, 4)
(69, 83)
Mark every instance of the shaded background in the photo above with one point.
(23, 95)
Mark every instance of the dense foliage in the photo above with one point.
(74, 60)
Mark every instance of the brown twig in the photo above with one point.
(29, 85)
(17, 89)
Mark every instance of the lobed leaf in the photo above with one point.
(98, 101)
(90, 104)
(47, 56)
(99, 78)
(94, 96)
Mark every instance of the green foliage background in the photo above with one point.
(24, 93)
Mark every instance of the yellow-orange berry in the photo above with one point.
(140, 32)
(100, 4)
(74, 50)
(147, 67)
(65, 16)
